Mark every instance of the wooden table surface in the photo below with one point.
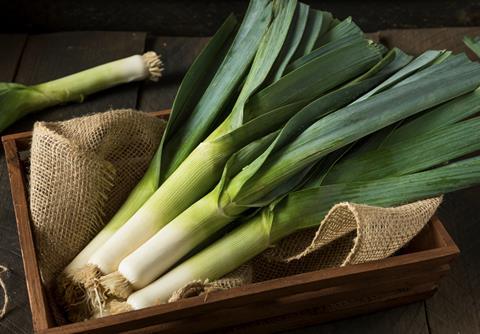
(32, 59)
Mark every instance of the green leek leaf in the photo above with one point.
(473, 44)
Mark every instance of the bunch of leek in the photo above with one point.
(398, 171)
(17, 100)
(227, 139)
(295, 150)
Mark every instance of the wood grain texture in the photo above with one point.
(52, 56)
(407, 319)
(41, 317)
(456, 306)
(18, 319)
(416, 41)
(313, 316)
(334, 302)
(12, 47)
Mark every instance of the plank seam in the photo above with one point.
(19, 59)
(427, 319)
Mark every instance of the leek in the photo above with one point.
(416, 153)
(306, 208)
(173, 193)
(213, 154)
(295, 33)
(234, 65)
(17, 100)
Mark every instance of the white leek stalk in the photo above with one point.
(17, 100)
(121, 282)
(220, 258)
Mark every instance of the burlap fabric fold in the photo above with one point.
(81, 171)
(349, 234)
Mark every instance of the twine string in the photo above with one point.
(3, 311)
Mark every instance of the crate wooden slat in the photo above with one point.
(323, 295)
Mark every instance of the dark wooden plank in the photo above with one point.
(177, 55)
(201, 18)
(314, 316)
(38, 304)
(52, 56)
(415, 41)
(335, 302)
(47, 57)
(12, 47)
(456, 306)
(408, 319)
(18, 318)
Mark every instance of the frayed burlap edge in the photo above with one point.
(240, 276)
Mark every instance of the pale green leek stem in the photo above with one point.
(76, 86)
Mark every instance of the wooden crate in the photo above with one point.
(269, 306)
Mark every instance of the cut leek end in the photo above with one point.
(93, 298)
(71, 296)
(79, 293)
(154, 65)
(116, 285)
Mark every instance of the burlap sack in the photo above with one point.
(81, 172)
(349, 234)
